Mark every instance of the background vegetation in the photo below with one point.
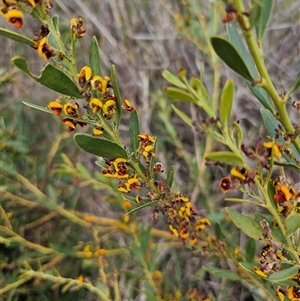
(41, 166)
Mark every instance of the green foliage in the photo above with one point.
(74, 230)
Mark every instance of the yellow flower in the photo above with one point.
(173, 230)
(56, 107)
(100, 252)
(80, 278)
(96, 104)
(70, 124)
(96, 82)
(108, 107)
(293, 293)
(259, 272)
(84, 75)
(14, 16)
(44, 49)
(280, 293)
(97, 131)
(276, 147)
(71, 109)
(239, 173)
(88, 218)
(225, 184)
(127, 106)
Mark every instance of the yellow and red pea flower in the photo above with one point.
(97, 131)
(80, 278)
(71, 124)
(77, 27)
(13, 16)
(96, 105)
(293, 293)
(84, 75)
(127, 106)
(201, 224)
(283, 191)
(226, 184)
(280, 293)
(259, 272)
(276, 147)
(55, 106)
(109, 107)
(96, 82)
(173, 230)
(239, 173)
(71, 109)
(44, 49)
(100, 252)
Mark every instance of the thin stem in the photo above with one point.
(267, 83)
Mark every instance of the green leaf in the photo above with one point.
(113, 75)
(183, 116)
(180, 95)
(51, 77)
(37, 107)
(226, 102)
(100, 147)
(172, 79)
(250, 249)
(292, 223)
(201, 90)
(245, 223)
(94, 57)
(222, 273)
(170, 175)
(264, 17)
(134, 130)
(288, 164)
(16, 37)
(258, 92)
(294, 87)
(140, 207)
(227, 52)
(239, 134)
(224, 157)
(284, 274)
(218, 231)
(255, 13)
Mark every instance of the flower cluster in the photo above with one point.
(69, 109)
(12, 11)
(238, 176)
(286, 197)
(146, 146)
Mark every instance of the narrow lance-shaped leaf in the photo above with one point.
(94, 57)
(16, 37)
(134, 130)
(172, 79)
(239, 134)
(284, 274)
(227, 52)
(113, 75)
(179, 94)
(100, 147)
(245, 224)
(201, 90)
(226, 102)
(264, 17)
(227, 274)
(183, 116)
(250, 249)
(224, 157)
(170, 175)
(51, 77)
(258, 92)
